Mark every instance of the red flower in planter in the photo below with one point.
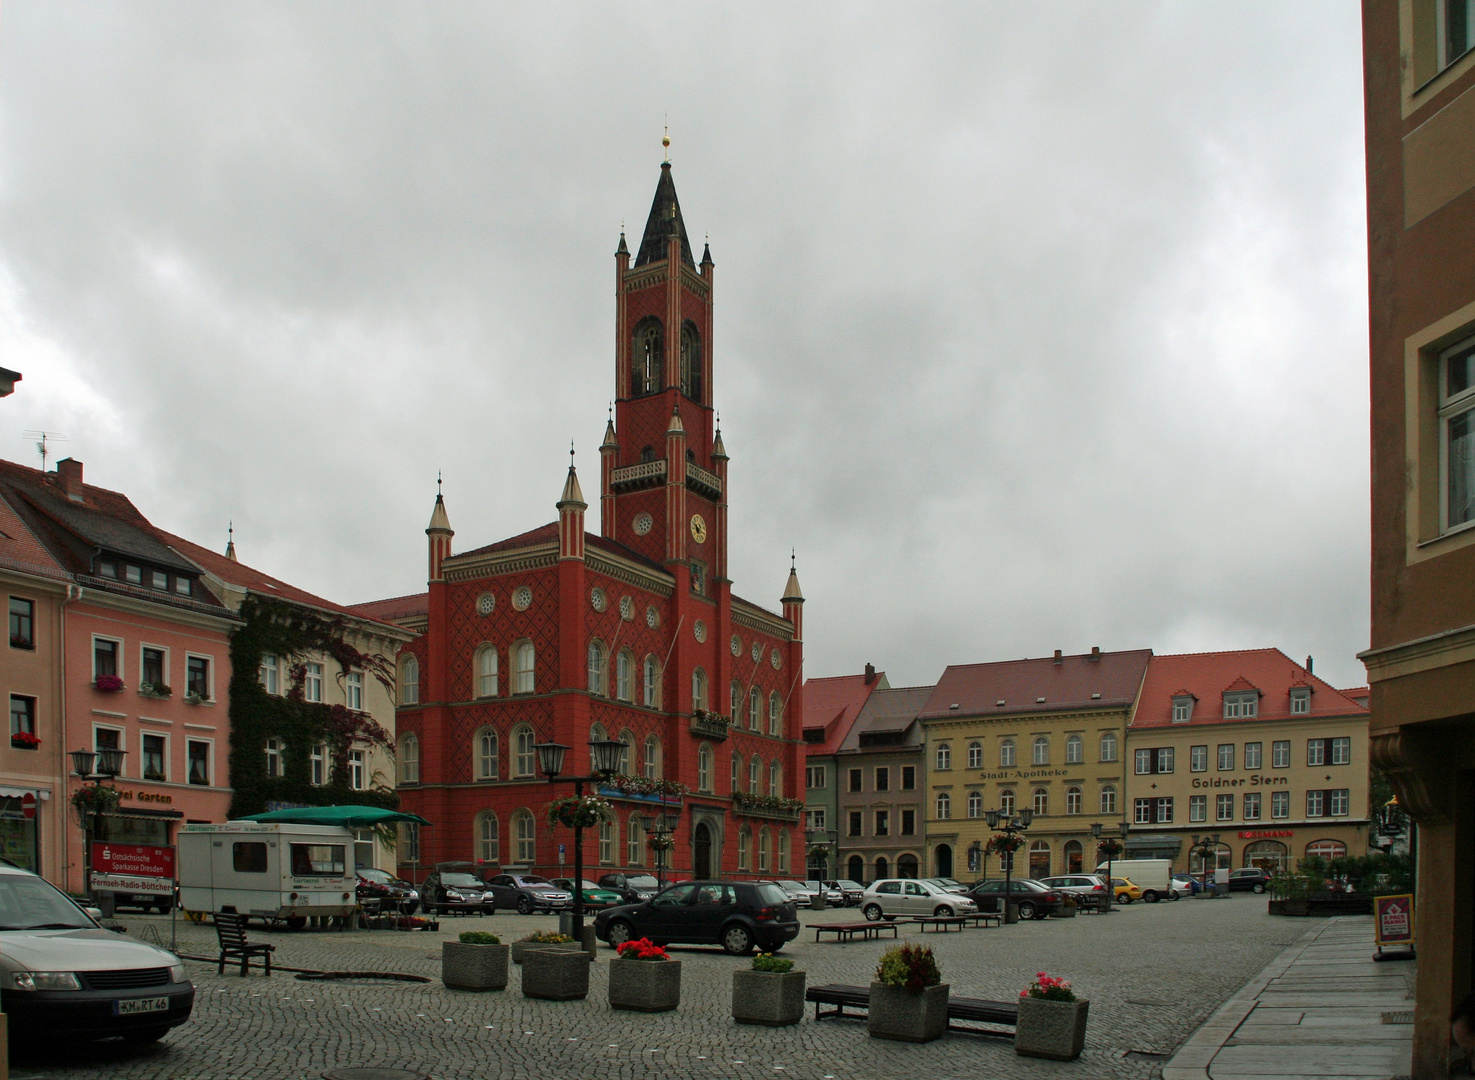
(26, 739)
(108, 684)
(641, 949)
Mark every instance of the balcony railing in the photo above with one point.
(709, 725)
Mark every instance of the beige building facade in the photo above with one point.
(879, 775)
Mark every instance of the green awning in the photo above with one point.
(351, 817)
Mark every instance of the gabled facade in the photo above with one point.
(882, 788)
(831, 706)
(632, 633)
(1253, 747)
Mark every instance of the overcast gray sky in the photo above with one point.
(1038, 326)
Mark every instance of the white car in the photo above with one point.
(64, 977)
(890, 897)
(799, 892)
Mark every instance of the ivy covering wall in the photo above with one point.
(295, 634)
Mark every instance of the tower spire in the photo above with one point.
(230, 542)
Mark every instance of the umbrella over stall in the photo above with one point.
(351, 817)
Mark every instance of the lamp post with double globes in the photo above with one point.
(821, 840)
(1206, 847)
(97, 766)
(659, 827)
(1009, 825)
(604, 761)
(1111, 850)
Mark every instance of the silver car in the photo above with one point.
(891, 897)
(1092, 885)
(62, 976)
(799, 892)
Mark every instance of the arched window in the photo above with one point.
(944, 806)
(755, 774)
(1072, 800)
(597, 733)
(737, 700)
(647, 366)
(1108, 746)
(598, 668)
(1074, 857)
(1326, 849)
(274, 750)
(625, 675)
(975, 804)
(737, 772)
(691, 362)
(698, 689)
(526, 759)
(775, 714)
(1073, 750)
(1041, 750)
(607, 843)
(856, 868)
(486, 754)
(883, 868)
(975, 755)
(1039, 859)
(783, 851)
(409, 759)
(525, 829)
(651, 688)
(755, 709)
(635, 840)
(1006, 754)
(487, 838)
(1269, 855)
(704, 767)
(1041, 801)
(1006, 801)
(524, 660)
(409, 680)
(652, 758)
(486, 671)
(776, 779)
(1108, 798)
(628, 738)
(906, 866)
(944, 757)
(763, 844)
(745, 848)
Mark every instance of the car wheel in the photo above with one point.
(165, 906)
(1123, 898)
(296, 922)
(524, 906)
(737, 941)
(872, 912)
(620, 932)
(1173, 895)
(1150, 896)
(1258, 886)
(941, 910)
(1026, 909)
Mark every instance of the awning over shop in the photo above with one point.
(350, 817)
(1153, 846)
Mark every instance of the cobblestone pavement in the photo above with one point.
(1153, 973)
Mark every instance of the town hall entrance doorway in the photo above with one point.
(702, 845)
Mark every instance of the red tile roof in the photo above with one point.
(1109, 680)
(1210, 675)
(833, 704)
(19, 548)
(547, 534)
(394, 608)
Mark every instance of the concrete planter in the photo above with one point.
(897, 1013)
(1051, 1029)
(554, 973)
(645, 985)
(819, 903)
(768, 997)
(520, 947)
(473, 967)
(1064, 911)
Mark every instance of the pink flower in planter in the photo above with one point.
(108, 684)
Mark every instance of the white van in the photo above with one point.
(269, 871)
(1153, 876)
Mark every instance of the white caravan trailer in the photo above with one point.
(267, 871)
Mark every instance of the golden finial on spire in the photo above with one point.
(666, 140)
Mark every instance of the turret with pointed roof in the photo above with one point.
(664, 222)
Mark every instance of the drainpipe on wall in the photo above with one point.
(74, 594)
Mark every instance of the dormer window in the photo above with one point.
(1300, 700)
(1241, 705)
(1182, 708)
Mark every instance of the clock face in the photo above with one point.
(522, 598)
(700, 630)
(627, 608)
(597, 600)
(643, 523)
(698, 528)
(757, 651)
(737, 645)
(486, 603)
(652, 617)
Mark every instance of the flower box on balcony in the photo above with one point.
(22, 643)
(108, 684)
(709, 725)
(767, 806)
(24, 740)
(193, 698)
(155, 690)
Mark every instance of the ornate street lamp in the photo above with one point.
(97, 766)
(1206, 846)
(658, 829)
(1009, 824)
(604, 759)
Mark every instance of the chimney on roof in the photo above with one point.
(69, 472)
(870, 674)
(1057, 656)
(1095, 652)
(1308, 665)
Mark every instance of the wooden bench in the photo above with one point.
(941, 923)
(1000, 1014)
(230, 931)
(983, 918)
(846, 931)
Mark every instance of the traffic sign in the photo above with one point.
(28, 805)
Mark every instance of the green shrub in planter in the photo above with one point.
(908, 996)
(479, 937)
(477, 962)
(772, 993)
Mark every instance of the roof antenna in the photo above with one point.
(43, 436)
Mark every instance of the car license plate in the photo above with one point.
(130, 1006)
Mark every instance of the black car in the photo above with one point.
(528, 893)
(387, 891)
(633, 887)
(451, 893)
(1034, 900)
(734, 914)
(1253, 878)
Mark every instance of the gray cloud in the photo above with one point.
(1037, 327)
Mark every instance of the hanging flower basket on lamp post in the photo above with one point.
(580, 811)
